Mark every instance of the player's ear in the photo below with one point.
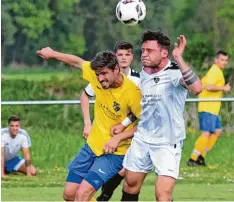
(117, 68)
(164, 52)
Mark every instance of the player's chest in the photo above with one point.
(157, 86)
(12, 145)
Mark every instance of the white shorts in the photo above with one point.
(143, 157)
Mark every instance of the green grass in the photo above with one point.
(52, 151)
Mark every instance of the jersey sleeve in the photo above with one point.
(26, 140)
(175, 77)
(88, 73)
(134, 102)
(89, 90)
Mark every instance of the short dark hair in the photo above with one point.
(124, 45)
(104, 59)
(158, 36)
(221, 52)
(13, 118)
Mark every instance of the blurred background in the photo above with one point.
(83, 28)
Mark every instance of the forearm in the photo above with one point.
(214, 88)
(2, 161)
(192, 81)
(84, 102)
(2, 166)
(27, 159)
(71, 60)
(126, 134)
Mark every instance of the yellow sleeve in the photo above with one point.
(213, 75)
(135, 104)
(88, 73)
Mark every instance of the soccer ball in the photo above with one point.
(131, 13)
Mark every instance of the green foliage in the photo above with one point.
(61, 117)
(28, 16)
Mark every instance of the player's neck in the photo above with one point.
(118, 82)
(12, 136)
(125, 70)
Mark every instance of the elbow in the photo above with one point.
(197, 91)
(197, 88)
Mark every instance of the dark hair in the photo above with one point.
(13, 118)
(158, 36)
(124, 45)
(104, 59)
(221, 52)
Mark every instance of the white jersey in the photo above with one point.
(163, 100)
(132, 75)
(12, 146)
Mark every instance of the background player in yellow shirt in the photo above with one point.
(116, 96)
(213, 86)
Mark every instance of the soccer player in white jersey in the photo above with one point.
(158, 141)
(12, 140)
(124, 53)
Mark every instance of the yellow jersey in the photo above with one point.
(111, 107)
(214, 77)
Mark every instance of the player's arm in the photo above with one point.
(27, 159)
(112, 144)
(115, 130)
(84, 103)
(2, 163)
(214, 88)
(72, 60)
(189, 79)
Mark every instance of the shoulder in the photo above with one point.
(4, 131)
(23, 133)
(172, 66)
(173, 71)
(215, 71)
(86, 64)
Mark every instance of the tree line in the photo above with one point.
(84, 27)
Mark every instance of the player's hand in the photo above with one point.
(227, 87)
(87, 129)
(115, 130)
(46, 53)
(179, 47)
(111, 146)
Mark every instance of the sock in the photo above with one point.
(109, 187)
(93, 199)
(129, 197)
(213, 139)
(199, 147)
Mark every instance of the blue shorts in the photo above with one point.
(96, 170)
(13, 164)
(209, 122)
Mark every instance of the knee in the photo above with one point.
(69, 195)
(163, 195)
(131, 186)
(82, 194)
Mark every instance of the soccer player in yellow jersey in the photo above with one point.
(213, 86)
(116, 96)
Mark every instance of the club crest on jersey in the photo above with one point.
(156, 80)
(116, 106)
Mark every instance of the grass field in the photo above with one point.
(52, 151)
